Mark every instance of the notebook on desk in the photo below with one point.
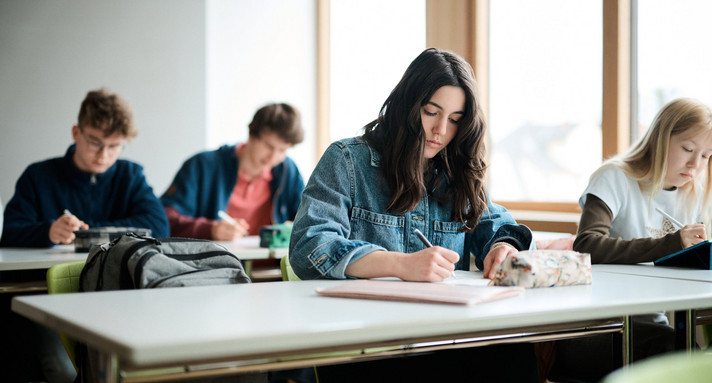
(419, 292)
(694, 257)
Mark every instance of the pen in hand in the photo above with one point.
(225, 217)
(678, 224)
(668, 216)
(240, 227)
(82, 225)
(426, 243)
(422, 238)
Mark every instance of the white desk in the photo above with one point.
(687, 319)
(12, 258)
(15, 258)
(289, 318)
(248, 248)
(648, 269)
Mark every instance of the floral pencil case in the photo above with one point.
(544, 268)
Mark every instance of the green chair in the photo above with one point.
(677, 367)
(288, 273)
(64, 278)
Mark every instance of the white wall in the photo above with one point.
(53, 52)
(193, 71)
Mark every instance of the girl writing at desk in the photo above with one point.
(419, 165)
(633, 203)
(641, 206)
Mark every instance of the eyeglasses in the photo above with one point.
(97, 146)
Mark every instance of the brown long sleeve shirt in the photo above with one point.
(593, 238)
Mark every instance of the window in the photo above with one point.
(673, 55)
(545, 65)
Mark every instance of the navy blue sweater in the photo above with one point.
(118, 197)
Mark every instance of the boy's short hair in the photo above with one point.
(282, 119)
(107, 112)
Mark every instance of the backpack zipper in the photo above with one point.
(101, 255)
(124, 276)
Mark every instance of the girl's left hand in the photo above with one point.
(496, 255)
(692, 234)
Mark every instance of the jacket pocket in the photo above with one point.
(380, 229)
(446, 234)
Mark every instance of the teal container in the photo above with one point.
(274, 236)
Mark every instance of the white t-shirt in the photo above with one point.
(634, 213)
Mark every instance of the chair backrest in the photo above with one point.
(677, 367)
(64, 278)
(288, 273)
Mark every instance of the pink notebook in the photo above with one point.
(419, 292)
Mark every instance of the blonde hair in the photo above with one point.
(646, 161)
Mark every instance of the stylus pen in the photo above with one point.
(427, 243)
(668, 216)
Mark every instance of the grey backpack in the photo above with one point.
(136, 262)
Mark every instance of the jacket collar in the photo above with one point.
(80, 176)
(374, 154)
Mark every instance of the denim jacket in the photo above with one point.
(343, 217)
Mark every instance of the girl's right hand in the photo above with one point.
(432, 264)
(692, 234)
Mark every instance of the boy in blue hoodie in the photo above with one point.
(254, 183)
(88, 187)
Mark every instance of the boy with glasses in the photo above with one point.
(88, 187)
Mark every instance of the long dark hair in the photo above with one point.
(397, 134)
